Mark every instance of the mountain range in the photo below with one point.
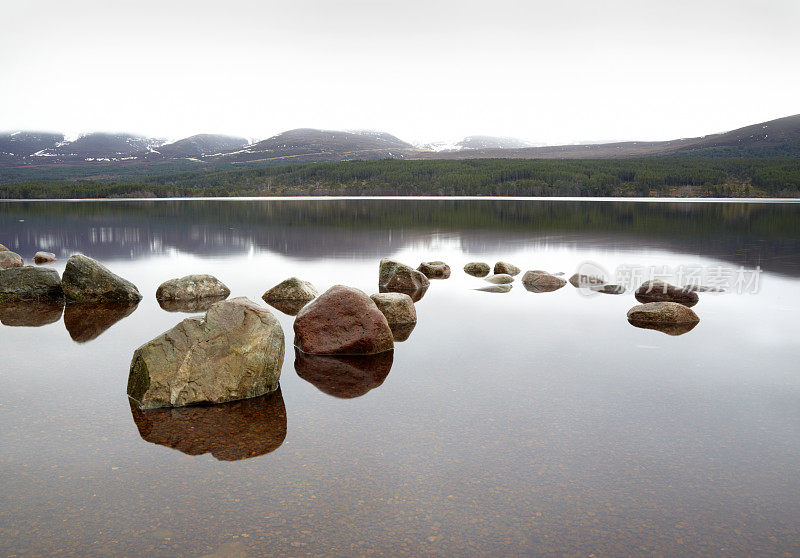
(779, 137)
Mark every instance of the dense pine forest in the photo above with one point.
(684, 177)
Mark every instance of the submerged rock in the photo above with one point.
(86, 322)
(30, 313)
(10, 259)
(30, 283)
(500, 279)
(495, 289)
(396, 277)
(228, 431)
(662, 313)
(660, 291)
(541, 282)
(86, 280)
(344, 376)
(342, 320)
(397, 307)
(434, 270)
(477, 269)
(291, 289)
(192, 287)
(190, 306)
(40, 258)
(234, 352)
(506, 268)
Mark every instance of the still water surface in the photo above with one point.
(507, 424)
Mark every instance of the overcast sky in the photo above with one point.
(555, 71)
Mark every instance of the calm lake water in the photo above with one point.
(507, 424)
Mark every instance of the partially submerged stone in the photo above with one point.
(87, 322)
(495, 289)
(500, 279)
(291, 289)
(234, 352)
(342, 320)
(40, 258)
(394, 276)
(506, 268)
(10, 259)
(86, 280)
(537, 281)
(30, 313)
(30, 283)
(397, 307)
(477, 269)
(660, 291)
(662, 313)
(192, 287)
(344, 376)
(434, 270)
(228, 431)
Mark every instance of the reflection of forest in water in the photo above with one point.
(742, 233)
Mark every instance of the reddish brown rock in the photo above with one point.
(344, 376)
(342, 321)
(541, 282)
(10, 259)
(659, 291)
(662, 313)
(40, 258)
(434, 270)
(506, 268)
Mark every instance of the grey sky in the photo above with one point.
(555, 71)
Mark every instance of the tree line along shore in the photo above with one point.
(652, 177)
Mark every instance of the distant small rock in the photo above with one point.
(500, 279)
(342, 321)
(660, 291)
(192, 287)
(43, 257)
(506, 268)
(397, 307)
(477, 269)
(541, 282)
(495, 289)
(291, 289)
(662, 313)
(86, 280)
(394, 276)
(434, 270)
(10, 259)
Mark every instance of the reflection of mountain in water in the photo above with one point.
(344, 376)
(742, 233)
(228, 431)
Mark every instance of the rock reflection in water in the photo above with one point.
(344, 376)
(416, 295)
(401, 332)
(287, 306)
(86, 322)
(189, 306)
(30, 313)
(669, 329)
(228, 431)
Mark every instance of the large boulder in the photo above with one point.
(477, 269)
(86, 280)
(662, 313)
(506, 268)
(234, 352)
(500, 279)
(30, 283)
(434, 270)
(40, 258)
(660, 291)
(192, 287)
(10, 259)
(228, 431)
(396, 277)
(342, 321)
(291, 289)
(397, 307)
(541, 282)
(344, 376)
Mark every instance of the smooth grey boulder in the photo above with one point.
(434, 270)
(662, 313)
(86, 280)
(397, 307)
(500, 279)
(394, 276)
(192, 287)
(234, 352)
(291, 289)
(40, 258)
(477, 269)
(537, 281)
(506, 268)
(10, 259)
(30, 283)
(660, 291)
